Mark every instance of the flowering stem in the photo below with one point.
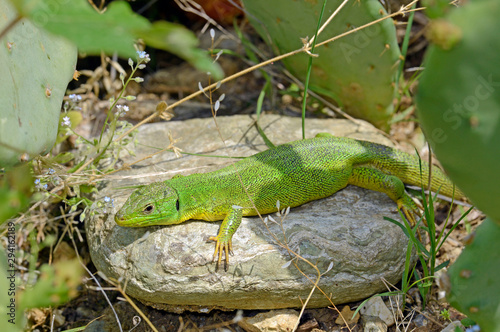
(143, 57)
(114, 105)
(80, 136)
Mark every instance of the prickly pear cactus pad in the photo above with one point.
(458, 104)
(474, 278)
(35, 68)
(357, 71)
(458, 100)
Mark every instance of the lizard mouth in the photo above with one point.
(128, 223)
(121, 220)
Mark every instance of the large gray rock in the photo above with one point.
(171, 266)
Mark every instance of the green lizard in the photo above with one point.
(292, 173)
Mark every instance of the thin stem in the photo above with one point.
(125, 84)
(309, 66)
(404, 48)
(320, 30)
(262, 64)
(113, 124)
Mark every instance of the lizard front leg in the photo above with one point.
(374, 179)
(224, 239)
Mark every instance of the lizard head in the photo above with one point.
(155, 204)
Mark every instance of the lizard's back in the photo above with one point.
(293, 173)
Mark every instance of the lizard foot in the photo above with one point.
(222, 246)
(409, 209)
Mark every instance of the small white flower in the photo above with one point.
(123, 110)
(39, 185)
(66, 122)
(57, 180)
(143, 56)
(474, 328)
(108, 203)
(75, 98)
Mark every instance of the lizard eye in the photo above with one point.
(148, 209)
(177, 205)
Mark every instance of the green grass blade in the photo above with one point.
(309, 69)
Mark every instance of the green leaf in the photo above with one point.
(34, 71)
(87, 189)
(442, 265)
(115, 30)
(474, 278)
(467, 322)
(57, 283)
(76, 20)
(63, 158)
(15, 190)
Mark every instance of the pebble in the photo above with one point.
(376, 307)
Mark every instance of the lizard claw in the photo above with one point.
(222, 246)
(409, 209)
(410, 215)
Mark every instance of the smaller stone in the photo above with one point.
(317, 330)
(420, 320)
(373, 324)
(377, 308)
(451, 327)
(59, 319)
(97, 326)
(308, 326)
(271, 321)
(347, 314)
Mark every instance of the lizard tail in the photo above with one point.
(413, 171)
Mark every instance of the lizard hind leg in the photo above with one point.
(377, 180)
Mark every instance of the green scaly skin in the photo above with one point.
(292, 173)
